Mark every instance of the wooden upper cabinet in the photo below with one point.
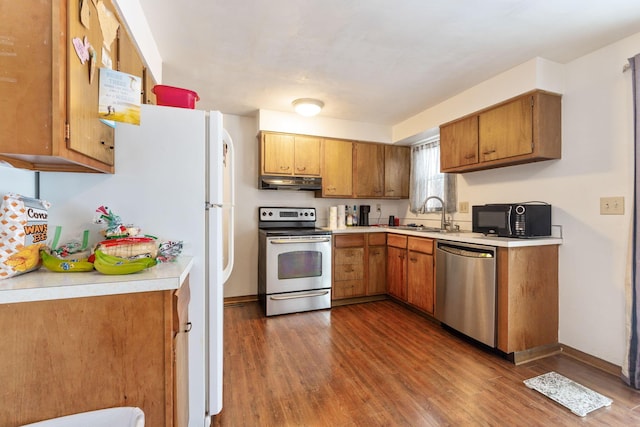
(368, 170)
(348, 168)
(286, 154)
(521, 130)
(48, 100)
(397, 168)
(129, 61)
(277, 154)
(337, 176)
(87, 134)
(307, 155)
(459, 143)
(506, 131)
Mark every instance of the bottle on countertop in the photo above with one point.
(355, 215)
(349, 219)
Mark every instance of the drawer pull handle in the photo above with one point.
(305, 295)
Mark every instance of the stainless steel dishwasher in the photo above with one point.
(466, 289)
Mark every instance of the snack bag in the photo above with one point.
(23, 231)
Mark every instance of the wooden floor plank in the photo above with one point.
(379, 364)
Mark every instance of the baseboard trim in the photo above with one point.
(525, 356)
(357, 300)
(590, 360)
(240, 300)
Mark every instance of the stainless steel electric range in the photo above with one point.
(294, 261)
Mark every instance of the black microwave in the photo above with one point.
(522, 220)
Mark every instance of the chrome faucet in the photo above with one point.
(443, 222)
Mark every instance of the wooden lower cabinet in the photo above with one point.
(348, 265)
(527, 297)
(410, 271)
(397, 266)
(420, 274)
(377, 263)
(74, 355)
(359, 265)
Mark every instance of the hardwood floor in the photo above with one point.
(379, 364)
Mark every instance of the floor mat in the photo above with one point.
(577, 398)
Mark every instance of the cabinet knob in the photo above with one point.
(110, 147)
(302, 169)
(284, 168)
(489, 152)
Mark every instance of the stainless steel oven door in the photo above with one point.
(298, 263)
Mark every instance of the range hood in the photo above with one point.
(274, 182)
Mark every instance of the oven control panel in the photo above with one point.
(287, 214)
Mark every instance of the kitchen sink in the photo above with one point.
(420, 228)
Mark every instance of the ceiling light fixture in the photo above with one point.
(307, 107)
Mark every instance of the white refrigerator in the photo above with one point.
(171, 175)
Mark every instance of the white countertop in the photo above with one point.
(464, 236)
(43, 285)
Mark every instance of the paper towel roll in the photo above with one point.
(333, 217)
(341, 218)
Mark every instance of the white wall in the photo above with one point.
(597, 150)
(322, 126)
(537, 73)
(138, 27)
(17, 181)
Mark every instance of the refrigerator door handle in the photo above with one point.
(226, 272)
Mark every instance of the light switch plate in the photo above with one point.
(611, 205)
(463, 207)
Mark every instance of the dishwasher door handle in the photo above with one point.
(465, 252)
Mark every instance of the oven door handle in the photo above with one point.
(301, 240)
(305, 295)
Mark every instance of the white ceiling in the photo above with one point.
(377, 61)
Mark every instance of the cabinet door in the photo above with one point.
(181, 328)
(129, 61)
(307, 155)
(377, 263)
(397, 272)
(348, 272)
(368, 170)
(80, 354)
(337, 176)
(459, 143)
(87, 134)
(420, 289)
(507, 130)
(277, 154)
(397, 168)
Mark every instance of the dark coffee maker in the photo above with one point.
(363, 219)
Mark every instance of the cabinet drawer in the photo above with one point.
(348, 272)
(378, 239)
(420, 245)
(348, 289)
(348, 256)
(348, 240)
(397, 241)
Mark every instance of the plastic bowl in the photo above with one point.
(175, 97)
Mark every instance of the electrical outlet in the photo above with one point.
(463, 207)
(611, 205)
(378, 207)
